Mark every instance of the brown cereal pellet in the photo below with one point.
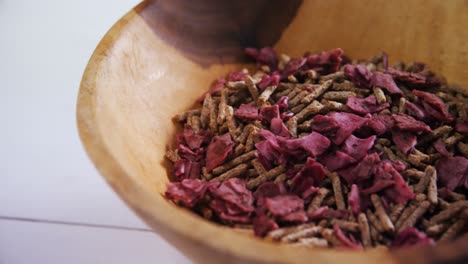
(318, 91)
(365, 230)
(234, 162)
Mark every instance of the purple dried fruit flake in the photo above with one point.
(410, 237)
(269, 80)
(354, 201)
(415, 111)
(283, 103)
(194, 140)
(279, 128)
(452, 172)
(440, 147)
(434, 106)
(380, 124)
(187, 192)
(285, 204)
(362, 170)
(268, 112)
(348, 123)
(263, 224)
(358, 147)
(407, 123)
(404, 140)
(235, 76)
(232, 201)
(359, 75)
(462, 126)
(347, 242)
(386, 82)
(324, 124)
(309, 177)
(264, 56)
(247, 111)
(325, 62)
(400, 191)
(293, 66)
(218, 150)
(366, 105)
(337, 160)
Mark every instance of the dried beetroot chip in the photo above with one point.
(434, 106)
(188, 192)
(378, 186)
(268, 112)
(358, 147)
(188, 154)
(319, 213)
(285, 116)
(344, 239)
(361, 171)
(348, 123)
(325, 212)
(366, 105)
(354, 200)
(216, 87)
(279, 128)
(218, 150)
(264, 56)
(386, 82)
(415, 110)
(409, 78)
(309, 192)
(268, 189)
(234, 196)
(313, 144)
(444, 193)
(452, 172)
(407, 123)
(247, 111)
(262, 224)
(194, 140)
(326, 61)
(266, 154)
(284, 204)
(400, 191)
(293, 66)
(186, 169)
(283, 103)
(337, 214)
(462, 126)
(337, 160)
(235, 76)
(324, 124)
(294, 217)
(410, 237)
(241, 219)
(359, 75)
(440, 147)
(269, 80)
(380, 123)
(311, 175)
(404, 140)
(398, 165)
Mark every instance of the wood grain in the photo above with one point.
(145, 70)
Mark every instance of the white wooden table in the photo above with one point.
(54, 207)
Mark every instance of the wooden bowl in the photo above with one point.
(162, 55)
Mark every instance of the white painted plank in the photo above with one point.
(45, 46)
(25, 243)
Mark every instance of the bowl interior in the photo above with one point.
(145, 71)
